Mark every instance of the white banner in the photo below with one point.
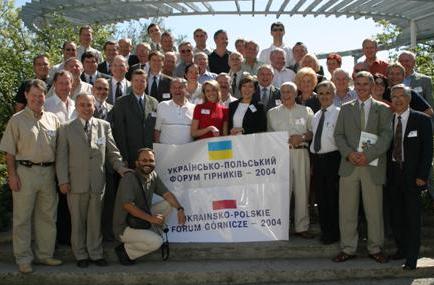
(233, 189)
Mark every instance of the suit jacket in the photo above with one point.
(133, 129)
(102, 67)
(111, 91)
(163, 88)
(253, 122)
(133, 59)
(347, 137)
(422, 84)
(81, 164)
(417, 145)
(273, 96)
(135, 67)
(98, 75)
(105, 113)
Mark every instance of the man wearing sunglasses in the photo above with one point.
(277, 32)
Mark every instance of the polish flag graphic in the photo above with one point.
(224, 204)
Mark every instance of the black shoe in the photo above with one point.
(408, 267)
(100, 262)
(83, 263)
(123, 257)
(397, 256)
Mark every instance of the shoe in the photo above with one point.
(379, 257)
(342, 257)
(100, 262)
(123, 257)
(83, 263)
(305, 235)
(49, 261)
(408, 267)
(25, 268)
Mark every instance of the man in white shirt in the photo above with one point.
(60, 104)
(277, 32)
(224, 80)
(90, 64)
(85, 39)
(200, 37)
(69, 49)
(201, 59)
(111, 49)
(118, 84)
(325, 160)
(174, 116)
(75, 66)
(281, 73)
(154, 33)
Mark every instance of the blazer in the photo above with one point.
(98, 75)
(81, 164)
(347, 137)
(106, 114)
(417, 145)
(163, 88)
(111, 91)
(133, 129)
(102, 67)
(422, 84)
(133, 59)
(274, 96)
(254, 121)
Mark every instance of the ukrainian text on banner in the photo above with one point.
(233, 188)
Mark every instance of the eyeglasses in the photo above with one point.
(277, 29)
(185, 50)
(70, 49)
(101, 88)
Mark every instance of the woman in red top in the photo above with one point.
(210, 119)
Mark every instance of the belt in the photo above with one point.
(326, 154)
(28, 163)
(298, 147)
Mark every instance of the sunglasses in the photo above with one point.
(101, 88)
(277, 30)
(185, 50)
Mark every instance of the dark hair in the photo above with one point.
(187, 67)
(157, 53)
(37, 83)
(378, 77)
(62, 73)
(89, 54)
(140, 150)
(87, 27)
(336, 57)
(139, 72)
(38, 57)
(151, 26)
(218, 32)
(277, 24)
(109, 43)
(246, 79)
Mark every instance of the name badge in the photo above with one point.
(153, 114)
(412, 134)
(205, 111)
(278, 102)
(300, 121)
(51, 133)
(418, 89)
(166, 95)
(252, 108)
(100, 141)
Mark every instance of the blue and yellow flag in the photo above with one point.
(220, 150)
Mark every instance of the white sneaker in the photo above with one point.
(49, 261)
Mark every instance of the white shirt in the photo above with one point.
(229, 100)
(174, 122)
(87, 76)
(328, 143)
(264, 56)
(404, 120)
(367, 107)
(151, 80)
(64, 112)
(81, 49)
(239, 114)
(282, 76)
(114, 85)
(195, 97)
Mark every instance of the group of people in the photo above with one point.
(86, 127)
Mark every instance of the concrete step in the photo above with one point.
(216, 272)
(370, 281)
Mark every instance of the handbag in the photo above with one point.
(137, 223)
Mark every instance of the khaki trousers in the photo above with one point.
(349, 196)
(86, 236)
(141, 242)
(300, 175)
(37, 198)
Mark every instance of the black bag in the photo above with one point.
(137, 223)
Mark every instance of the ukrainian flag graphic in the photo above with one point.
(220, 150)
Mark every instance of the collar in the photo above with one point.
(404, 115)
(367, 101)
(83, 121)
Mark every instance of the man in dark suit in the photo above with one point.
(118, 84)
(362, 134)
(158, 84)
(90, 65)
(110, 51)
(125, 48)
(142, 52)
(134, 118)
(409, 163)
(265, 91)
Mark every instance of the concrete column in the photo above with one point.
(413, 34)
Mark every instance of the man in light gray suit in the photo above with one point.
(134, 117)
(420, 83)
(363, 134)
(84, 145)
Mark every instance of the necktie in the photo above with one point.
(397, 141)
(141, 105)
(90, 80)
(318, 133)
(118, 92)
(264, 98)
(362, 116)
(154, 89)
(87, 131)
(234, 84)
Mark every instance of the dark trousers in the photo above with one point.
(112, 181)
(63, 223)
(325, 174)
(405, 203)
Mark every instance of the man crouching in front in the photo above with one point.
(136, 222)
